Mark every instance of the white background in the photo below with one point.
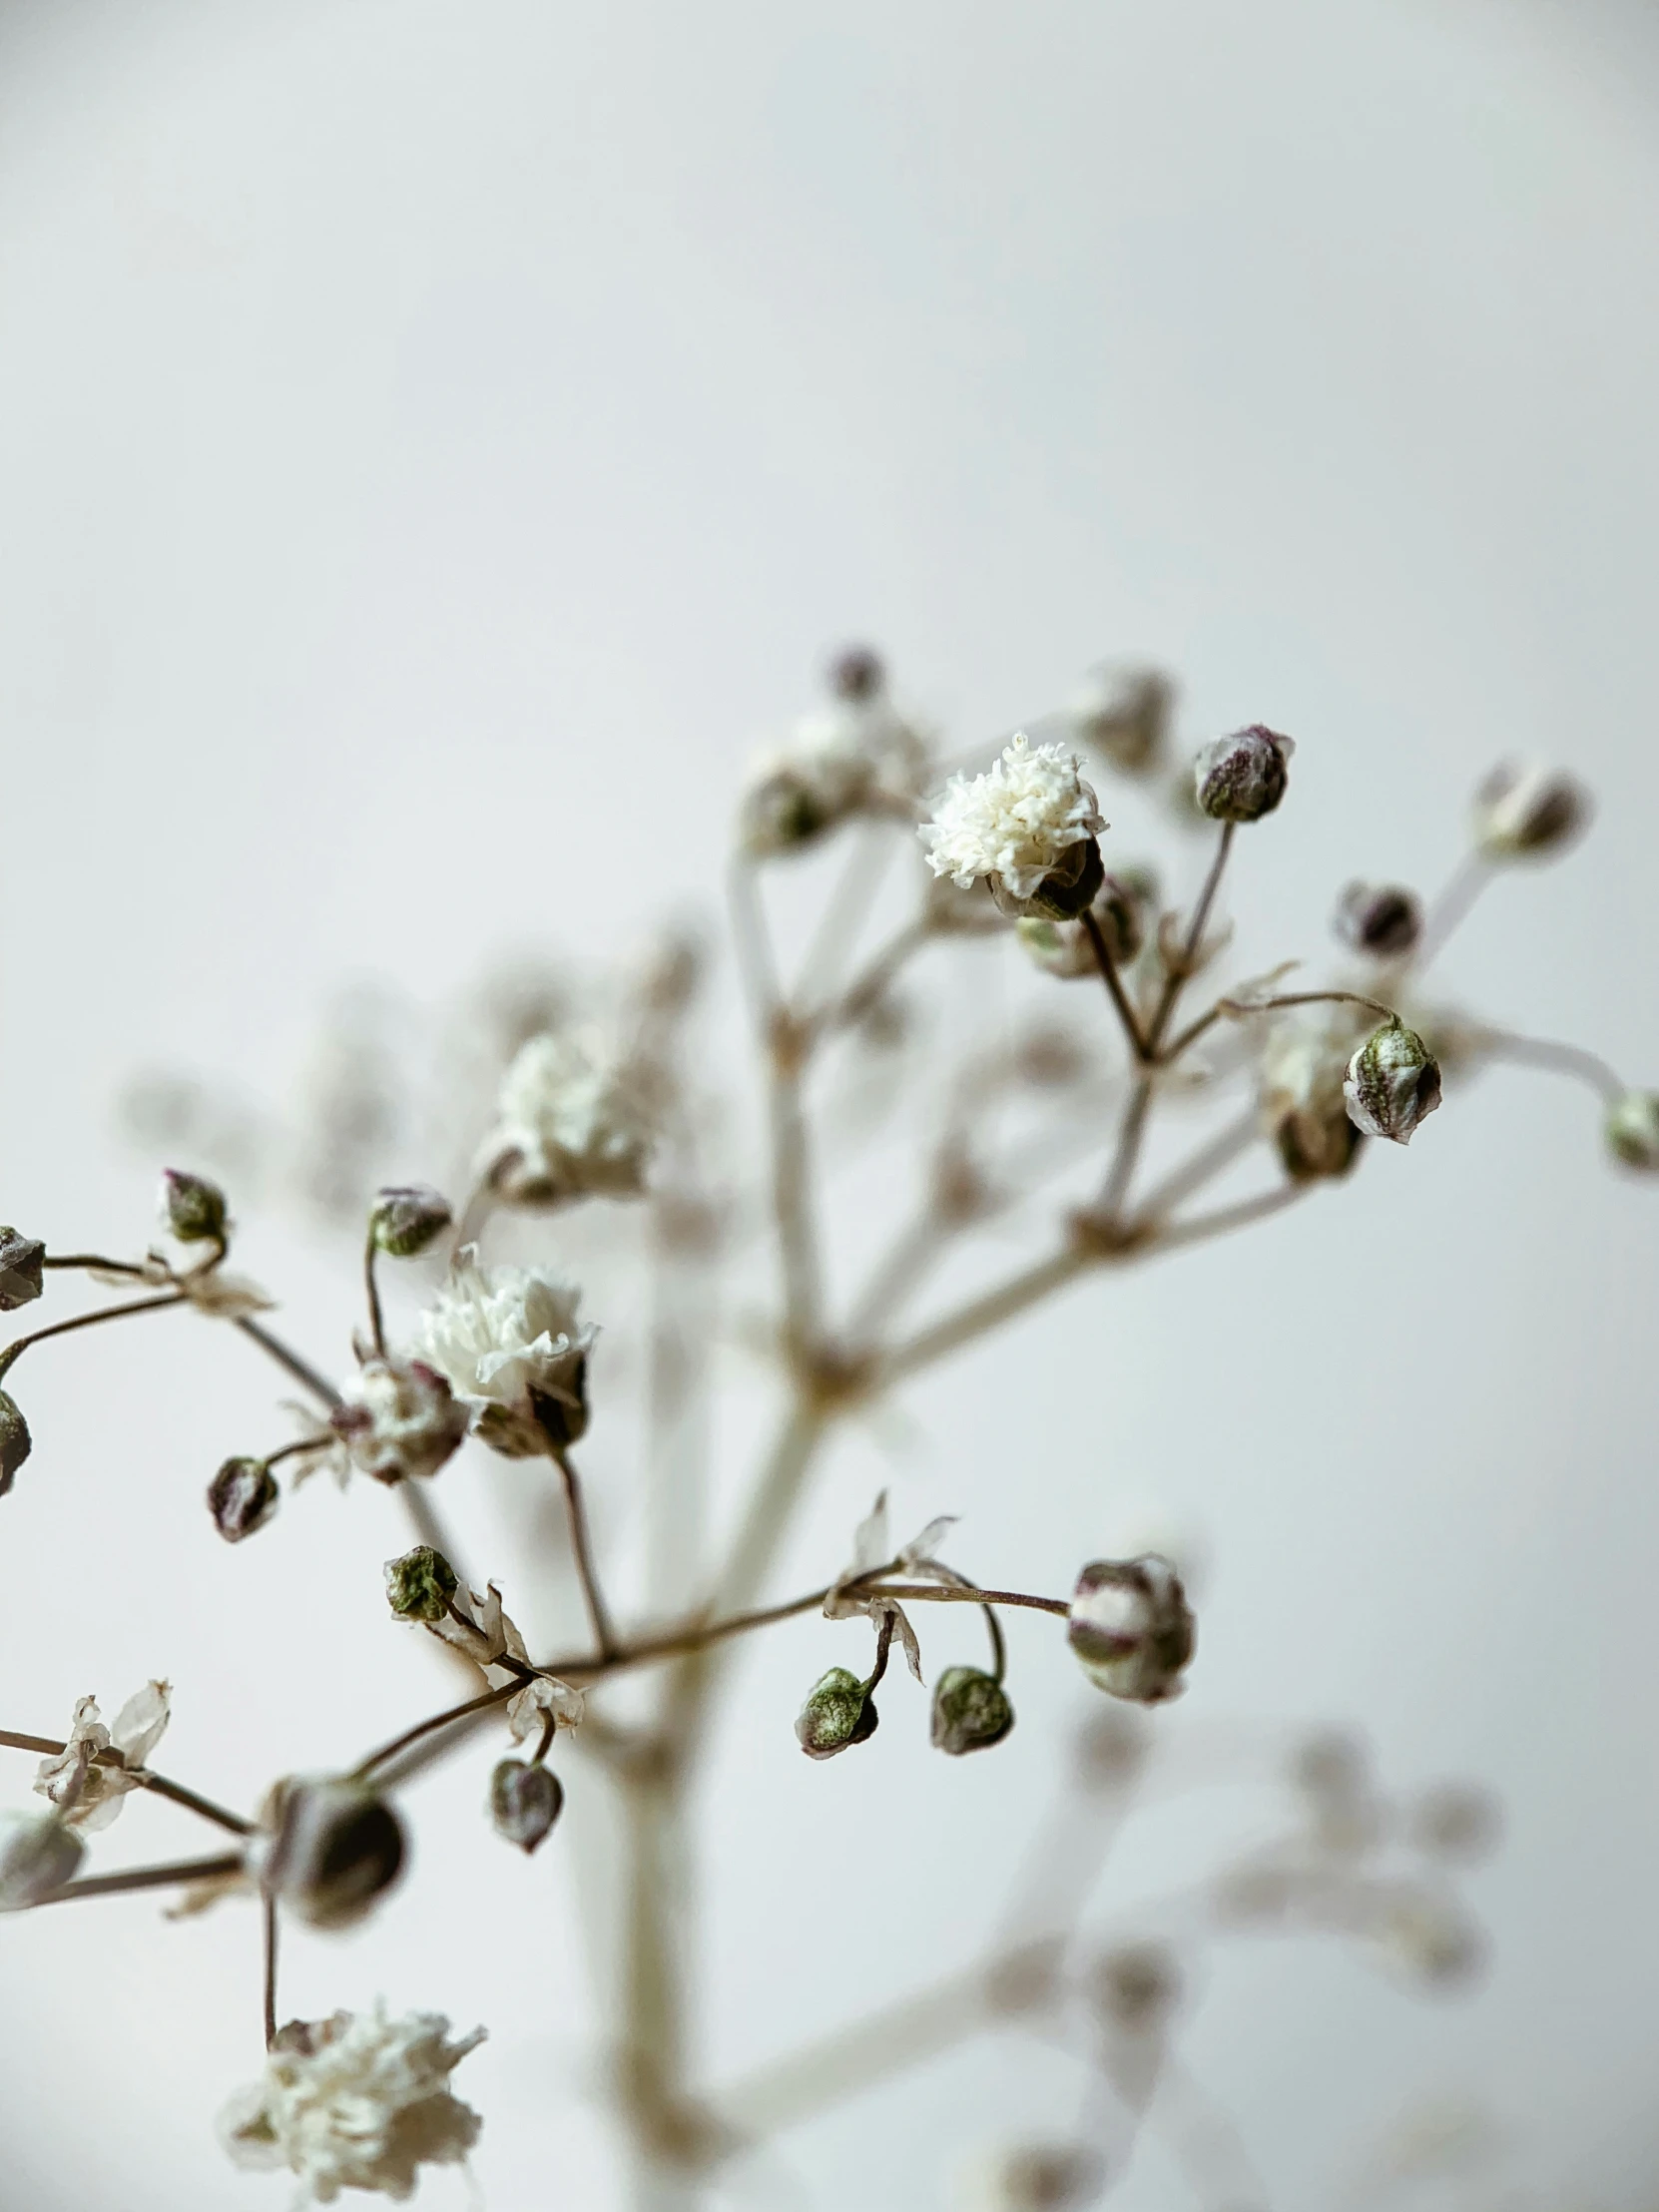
(438, 441)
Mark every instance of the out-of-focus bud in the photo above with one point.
(1060, 948)
(1304, 1109)
(970, 1711)
(405, 1218)
(1110, 1749)
(525, 1801)
(1132, 1628)
(1382, 920)
(420, 1584)
(1125, 712)
(1632, 1129)
(329, 1849)
(838, 1711)
(192, 1208)
(1393, 1081)
(21, 1262)
(1243, 778)
(1526, 811)
(38, 1852)
(857, 673)
(15, 1440)
(1332, 1775)
(241, 1497)
(1039, 2177)
(1135, 1987)
(1431, 1940)
(399, 1422)
(1455, 1822)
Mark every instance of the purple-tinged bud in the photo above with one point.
(192, 1208)
(242, 1497)
(525, 1801)
(1525, 812)
(1393, 1081)
(970, 1711)
(1382, 920)
(399, 1422)
(1632, 1129)
(1243, 778)
(330, 1849)
(857, 673)
(420, 1584)
(38, 1852)
(21, 1262)
(15, 1441)
(838, 1711)
(405, 1218)
(1132, 1628)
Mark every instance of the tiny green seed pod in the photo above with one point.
(192, 1208)
(838, 1711)
(970, 1711)
(419, 1584)
(405, 1218)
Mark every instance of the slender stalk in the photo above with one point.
(872, 979)
(1557, 1059)
(604, 1635)
(193, 1802)
(1237, 1010)
(1126, 1155)
(989, 1311)
(365, 1766)
(897, 1276)
(91, 1259)
(1450, 908)
(146, 1878)
(19, 1345)
(371, 1288)
(275, 1349)
(1202, 1166)
(269, 1930)
(1227, 1218)
(1114, 984)
(844, 911)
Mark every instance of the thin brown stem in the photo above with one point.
(581, 1545)
(372, 1288)
(192, 1799)
(1201, 1167)
(1238, 1009)
(275, 1349)
(1175, 981)
(365, 1766)
(1227, 1218)
(93, 1261)
(19, 1345)
(1113, 983)
(1127, 1152)
(268, 1931)
(146, 1878)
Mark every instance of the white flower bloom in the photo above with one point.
(357, 2101)
(1015, 822)
(398, 1420)
(857, 755)
(88, 1779)
(574, 1123)
(508, 1342)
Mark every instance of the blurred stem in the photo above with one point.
(275, 1349)
(19, 1345)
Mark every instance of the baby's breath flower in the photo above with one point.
(22, 1260)
(838, 1712)
(356, 2101)
(1031, 818)
(574, 1122)
(419, 1584)
(1632, 1129)
(398, 1420)
(508, 1343)
(972, 1711)
(1132, 1628)
(98, 1766)
(857, 755)
(407, 1217)
(1525, 811)
(38, 1852)
(1393, 1083)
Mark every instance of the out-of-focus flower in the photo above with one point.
(1525, 810)
(356, 2101)
(1132, 1628)
(1243, 778)
(1125, 714)
(242, 1497)
(857, 755)
(21, 1260)
(1458, 1822)
(1027, 826)
(1302, 1097)
(1382, 920)
(38, 1852)
(398, 1420)
(1632, 1129)
(1393, 1083)
(573, 1121)
(1135, 1986)
(1428, 1938)
(1038, 2177)
(15, 1441)
(99, 1764)
(508, 1343)
(838, 1712)
(972, 1711)
(327, 1847)
(407, 1217)
(525, 1801)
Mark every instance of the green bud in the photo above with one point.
(15, 1440)
(1393, 1083)
(1632, 1129)
(525, 1801)
(21, 1262)
(241, 1497)
(405, 1218)
(193, 1209)
(970, 1711)
(840, 1711)
(420, 1584)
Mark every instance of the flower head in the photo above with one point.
(88, 1779)
(972, 1711)
(329, 1846)
(857, 756)
(574, 1122)
(242, 1497)
(15, 1440)
(398, 1420)
(356, 2101)
(1015, 824)
(1132, 1628)
(1381, 919)
(507, 1342)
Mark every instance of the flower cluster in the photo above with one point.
(573, 1122)
(859, 756)
(508, 1343)
(1028, 822)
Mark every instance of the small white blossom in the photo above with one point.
(857, 756)
(398, 1420)
(1016, 822)
(357, 2101)
(88, 1779)
(508, 1343)
(574, 1122)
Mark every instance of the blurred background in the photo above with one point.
(439, 444)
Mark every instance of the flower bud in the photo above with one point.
(15, 1440)
(1384, 919)
(1632, 1129)
(407, 1217)
(1132, 1628)
(838, 1711)
(525, 1801)
(333, 1847)
(37, 1854)
(241, 1497)
(21, 1262)
(399, 1422)
(1040, 2177)
(1243, 778)
(1135, 1987)
(420, 1584)
(1525, 811)
(970, 1711)
(192, 1206)
(856, 675)
(1393, 1081)
(1125, 712)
